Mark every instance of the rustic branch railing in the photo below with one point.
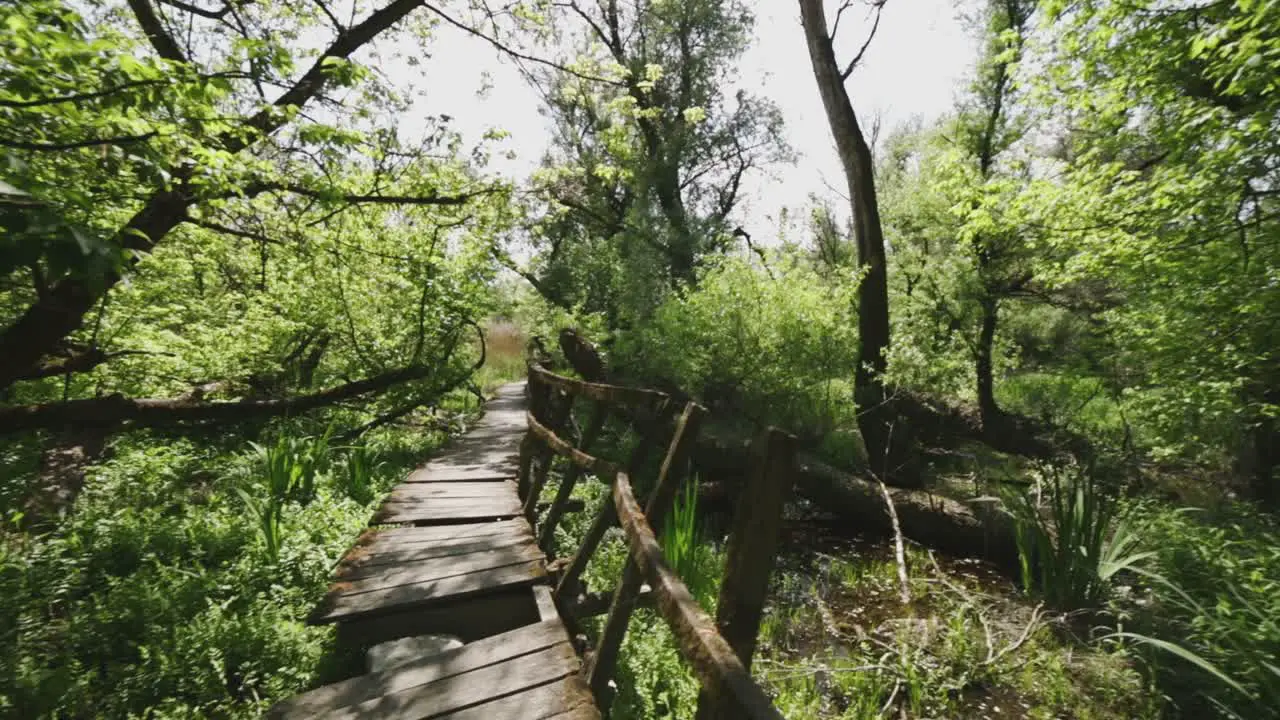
(719, 651)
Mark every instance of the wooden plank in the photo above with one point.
(700, 644)
(565, 699)
(546, 535)
(337, 606)
(459, 510)
(498, 493)
(357, 580)
(423, 491)
(435, 534)
(545, 602)
(502, 466)
(749, 556)
(612, 394)
(440, 698)
(392, 554)
(495, 505)
(472, 656)
(470, 618)
(606, 518)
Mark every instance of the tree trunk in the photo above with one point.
(1265, 473)
(990, 412)
(61, 311)
(886, 444)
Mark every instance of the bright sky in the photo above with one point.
(914, 67)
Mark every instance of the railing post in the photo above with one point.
(752, 547)
(557, 417)
(533, 387)
(605, 519)
(600, 666)
(546, 535)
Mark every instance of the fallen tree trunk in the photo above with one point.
(116, 410)
(968, 530)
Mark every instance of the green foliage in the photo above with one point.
(648, 155)
(686, 549)
(1071, 542)
(290, 467)
(1078, 402)
(362, 467)
(1157, 208)
(780, 348)
(1213, 592)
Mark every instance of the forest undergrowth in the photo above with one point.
(246, 250)
(181, 579)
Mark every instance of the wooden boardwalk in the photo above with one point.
(461, 561)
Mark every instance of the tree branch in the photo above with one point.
(835, 26)
(196, 10)
(319, 194)
(79, 97)
(95, 142)
(269, 119)
(512, 51)
(164, 44)
(848, 70)
(329, 14)
(83, 361)
(246, 234)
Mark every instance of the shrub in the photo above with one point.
(778, 348)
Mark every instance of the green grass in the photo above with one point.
(1214, 590)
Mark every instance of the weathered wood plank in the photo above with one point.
(606, 518)
(558, 414)
(472, 656)
(422, 491)
(603, 469)
(469, 617)
(394, 554)
(613, 394)
(448, 695)
(546, 535)
(434, 534)
(605, 659)
(565, 699)
(749, 556)
(358, 579)
(337, 606)
(502, 501)
(502, 468)
(455, 510)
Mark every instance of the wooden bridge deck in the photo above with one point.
(461, 562)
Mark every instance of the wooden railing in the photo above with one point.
(719, 651)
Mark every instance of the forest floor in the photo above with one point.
(838, 641)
